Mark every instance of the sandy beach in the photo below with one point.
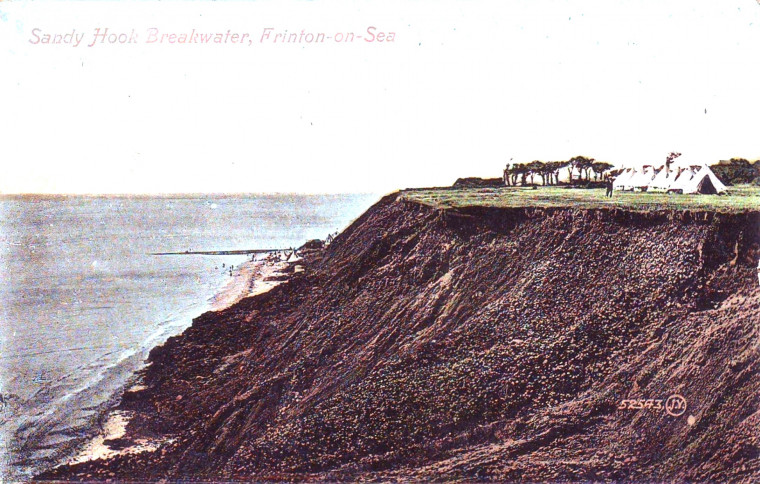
(114, 428)
(251, 278)
(248, 279)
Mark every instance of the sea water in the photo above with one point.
(82, 300)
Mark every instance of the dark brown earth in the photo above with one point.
(473, 344)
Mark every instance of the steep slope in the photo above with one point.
(473, 343)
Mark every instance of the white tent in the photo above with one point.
(642, 179)
(663, 180)
(683, 176)
(703, 180)
(621, 182)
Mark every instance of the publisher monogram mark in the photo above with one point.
(674, 405)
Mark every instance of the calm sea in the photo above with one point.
(82, 302)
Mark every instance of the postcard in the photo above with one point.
(399, 241)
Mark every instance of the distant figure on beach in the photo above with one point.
(609, 186)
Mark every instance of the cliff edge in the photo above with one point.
(473, 343)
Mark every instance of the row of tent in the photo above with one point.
(676, 178)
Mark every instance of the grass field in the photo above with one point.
(739, 198)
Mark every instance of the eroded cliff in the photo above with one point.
(473, 343)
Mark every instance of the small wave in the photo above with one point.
(42, 436)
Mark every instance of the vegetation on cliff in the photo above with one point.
(738, 199)
(737, 171)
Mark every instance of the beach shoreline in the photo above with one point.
(253, 277)
(87, 310)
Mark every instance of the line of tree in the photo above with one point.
(737, 171)
(548, 171)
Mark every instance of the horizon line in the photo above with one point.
(177, 194)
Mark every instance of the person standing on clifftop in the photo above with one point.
(609, 187)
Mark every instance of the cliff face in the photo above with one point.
(474, 343)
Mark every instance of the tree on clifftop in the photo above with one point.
(536, 167)
(599, 167)
(582, 164)
(519, 170)
(737, 171)
(553, 168)
(548, 169)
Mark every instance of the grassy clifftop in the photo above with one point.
(738, 199)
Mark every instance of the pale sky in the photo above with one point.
(463, 87)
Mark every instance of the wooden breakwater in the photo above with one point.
(222, 252)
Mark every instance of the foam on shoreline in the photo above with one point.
(248, 279)
(114, 428)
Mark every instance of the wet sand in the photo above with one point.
(248, 279)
